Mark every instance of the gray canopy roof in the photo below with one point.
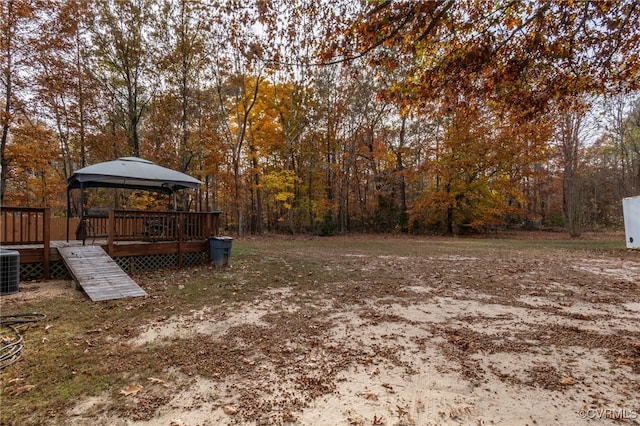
(131, 173)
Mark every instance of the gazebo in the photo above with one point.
(128, 173)
(134, 239)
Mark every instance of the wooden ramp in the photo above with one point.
(98, 275)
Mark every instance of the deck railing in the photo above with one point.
(25, 226)
(153, 226)
(135, 225)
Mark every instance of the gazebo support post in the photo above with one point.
(68, 212)
(83, 219)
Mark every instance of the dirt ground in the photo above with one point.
(451, 336)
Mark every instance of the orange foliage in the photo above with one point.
(34, 179)
(476, 170)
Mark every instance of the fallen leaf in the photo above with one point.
(288, 417)
(371, 395)
(228, 410)
(24, 389)
(401, 411)
(131, 390)
(625, 361)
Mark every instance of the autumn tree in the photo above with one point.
(35, 179)
(474, 170)
(296, 31)
(409, 138)
(237, 97)
(180, 46)
(236, 72)
(120, 44)
(610, 163)
(329, 113)
(65, 86)
(262, 152)
(601, 189)
(19, 20)
(572, 132)
(632, 143)
(621, 121)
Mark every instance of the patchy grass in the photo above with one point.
(84, 349)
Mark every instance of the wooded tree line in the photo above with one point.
(305, 116)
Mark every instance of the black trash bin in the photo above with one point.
(220, 250)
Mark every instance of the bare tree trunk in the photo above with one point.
(257, 223)
(236, 196)
(400, 169)
(7, 68)
(572, 197)
(4, 163)
(81, 106)
(247, 101)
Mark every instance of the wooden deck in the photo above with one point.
(98, 275)
(121, 233)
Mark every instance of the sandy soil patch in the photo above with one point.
(453, 343)
(38, 290)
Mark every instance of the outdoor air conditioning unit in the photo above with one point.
(9, 271)
(631, 210)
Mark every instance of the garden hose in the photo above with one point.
(11, 349)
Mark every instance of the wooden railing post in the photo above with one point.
(46, 237)
(180, 239)
(216, 223)
(111, 231)
(207, 225)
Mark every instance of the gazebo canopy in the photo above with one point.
(131, 173)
